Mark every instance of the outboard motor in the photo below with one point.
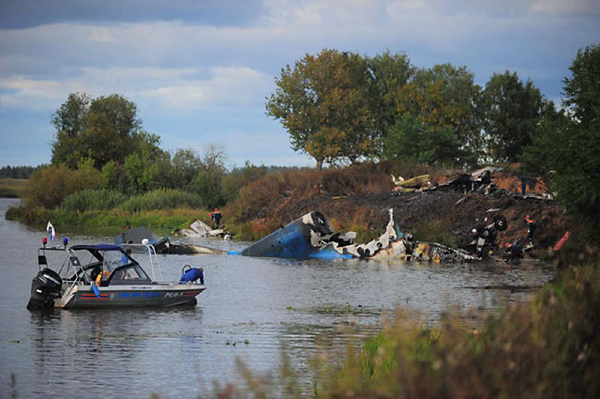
(45, 287)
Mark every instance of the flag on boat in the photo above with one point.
(51, 231)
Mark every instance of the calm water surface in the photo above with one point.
(254, 309)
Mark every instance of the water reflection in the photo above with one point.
(253, 309)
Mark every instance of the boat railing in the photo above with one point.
(153, 257)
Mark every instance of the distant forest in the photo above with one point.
(17, 172)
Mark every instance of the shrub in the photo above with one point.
(93, 200)
(50, 185)
(241, 177)
(207, 186)
(162, 199)
(262, 196)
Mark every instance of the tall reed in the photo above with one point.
(98, 200)
(162, 199)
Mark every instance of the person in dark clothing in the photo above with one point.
(216, 218)
(523, 185)
(531, 226)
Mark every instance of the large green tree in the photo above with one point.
(390, 72)
(326, 103)
(411, 139)
(567, 142)
(578, 176)
(582, 89)
(511, 111)
(103, 129)
(444, 98)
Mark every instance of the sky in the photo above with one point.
(200, 71)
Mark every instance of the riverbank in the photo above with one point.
(169, 219)
(358, 199)
(354, 199)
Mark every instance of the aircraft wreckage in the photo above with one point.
(312, 237)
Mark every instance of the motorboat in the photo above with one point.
(105, 276)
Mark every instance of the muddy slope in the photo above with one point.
(456, 212)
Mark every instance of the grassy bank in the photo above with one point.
(12, 188)
(164, 219)
(166, 209)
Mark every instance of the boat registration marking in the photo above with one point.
(134, 295)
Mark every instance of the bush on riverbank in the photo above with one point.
(49, 186)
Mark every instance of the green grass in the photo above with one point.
(165, 219)
(162, 199)
(93, 200)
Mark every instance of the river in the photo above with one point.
(254, 309)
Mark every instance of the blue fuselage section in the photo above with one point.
(293, 241)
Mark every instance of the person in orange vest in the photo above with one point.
(531, 226)
(216, 218)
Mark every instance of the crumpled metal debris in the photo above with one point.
(312, 236)
(479, 181)
(200, 229)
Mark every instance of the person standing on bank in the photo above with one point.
(523, 185)
(216, 218)
(530, 229)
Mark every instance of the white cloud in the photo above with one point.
(231, 86)
(25, 93)
(179, 89)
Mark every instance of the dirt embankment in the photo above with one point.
(413, 210)
(450, 211)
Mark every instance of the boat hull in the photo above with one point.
(133, 296)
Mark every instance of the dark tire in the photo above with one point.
(321, 223)
(485, 233)
(500, 223)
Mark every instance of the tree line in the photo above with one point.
(17, 172)
(341, 107)
(100, 146)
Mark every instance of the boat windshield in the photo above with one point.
(86, 264)
(108, 260)
(130, 274)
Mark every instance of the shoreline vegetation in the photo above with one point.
(260, 201)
